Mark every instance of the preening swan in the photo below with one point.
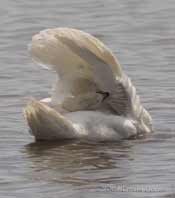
(92, 98)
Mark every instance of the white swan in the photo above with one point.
(92, 99)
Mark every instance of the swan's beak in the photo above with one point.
(104, 94)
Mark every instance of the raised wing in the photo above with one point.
(77, 57)
(84, 64)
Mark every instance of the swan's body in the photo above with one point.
(92, 99)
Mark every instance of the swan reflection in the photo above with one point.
(79, 163)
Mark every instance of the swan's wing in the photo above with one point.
(77, 57)
(83, 64)
(120, 99)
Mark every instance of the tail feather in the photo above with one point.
(47, 124)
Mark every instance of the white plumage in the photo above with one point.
(92, 98)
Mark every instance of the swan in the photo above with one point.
(92, 98)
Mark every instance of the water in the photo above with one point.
(141, 34)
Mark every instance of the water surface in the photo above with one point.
(142, 35)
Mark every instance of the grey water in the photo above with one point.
(142, 36)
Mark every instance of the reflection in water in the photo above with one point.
(79, 163)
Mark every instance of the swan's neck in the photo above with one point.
(136, 111)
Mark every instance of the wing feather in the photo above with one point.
(74, 54)
(82, 63)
